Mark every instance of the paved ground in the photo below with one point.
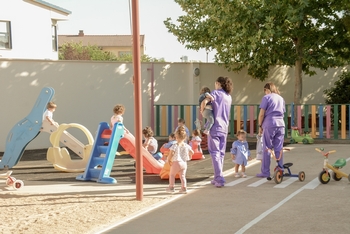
(244, 205)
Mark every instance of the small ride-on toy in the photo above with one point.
(324, 176)
(296, 137)
(12, 181)
(278, 172)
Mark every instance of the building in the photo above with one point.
(117, 44)
(28, 29)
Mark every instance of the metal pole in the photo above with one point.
(137, 90)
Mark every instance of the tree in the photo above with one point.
(76, 51)
(257, 34)
(339, 93)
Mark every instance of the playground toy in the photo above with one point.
(204, 143)
(197, 151)
(25, 130)
(279, 172)
(296, 137)
(30, 127)
(60, 157)
(324, 176)
(102, 156)
(12, 181)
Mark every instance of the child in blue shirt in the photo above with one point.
(240, 153)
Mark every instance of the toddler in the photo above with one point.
(196, 138)
(48, 114)
(240, 153)
(181, 122)
(118, 110)
(180, 153)
(206, 109)
(166, 146)
(151, 143)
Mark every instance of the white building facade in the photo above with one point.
(28, 29)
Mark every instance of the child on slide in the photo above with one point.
(151, 143)
(118, 111)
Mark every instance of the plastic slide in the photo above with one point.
(60, 157)
(151, 165)
(25, 130)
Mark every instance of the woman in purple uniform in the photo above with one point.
(271, 125)
(218, 133)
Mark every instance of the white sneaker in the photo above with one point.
(244, 175)
(237, 175)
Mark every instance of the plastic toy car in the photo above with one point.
(296, 137)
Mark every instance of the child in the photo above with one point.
(179, 154)
(259, 147)
(118, 110)
(166, 146)
(151, 143)
(48, 114)
(206, 109)
(196, 138)
(181, 122)
(240, 153)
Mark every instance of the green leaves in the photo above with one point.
(257, 34)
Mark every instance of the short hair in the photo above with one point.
(196, 132)
(241, 132)
(204, 89)
(180, 133)
(119, 109)
(147, 131)
(51, 105)
(181, 120)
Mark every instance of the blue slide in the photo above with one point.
(25, 130)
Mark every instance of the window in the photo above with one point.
(54, 38)
(5, 35)
(122, 53)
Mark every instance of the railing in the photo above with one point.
(322, 121)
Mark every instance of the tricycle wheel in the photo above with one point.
(305, 141)
(324, 177)
(335, 176)
(10, 180)
(18, 184)
(292, 141)
(301, 176)
(278, 176)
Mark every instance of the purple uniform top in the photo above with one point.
(221, 110)
(274, 107)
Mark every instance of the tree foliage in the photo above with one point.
(257, 34)
(76, 51)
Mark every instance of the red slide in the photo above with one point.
(151, 165)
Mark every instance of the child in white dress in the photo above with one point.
(240, 153)
(179, 154)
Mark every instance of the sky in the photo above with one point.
(111, 17)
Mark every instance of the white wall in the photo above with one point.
(30, 30)
(86, 91)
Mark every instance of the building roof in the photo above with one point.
(99, 40)
(52, 6)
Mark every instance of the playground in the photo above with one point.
(54, 201)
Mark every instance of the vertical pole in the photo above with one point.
(138, 101)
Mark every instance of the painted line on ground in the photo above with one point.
(258, 183)
(285, 183)
(238, 181)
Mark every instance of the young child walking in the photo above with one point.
(240, 153)
(48, 114)
(118, 111)
(151, 143)
(179, 154)
(206, 109)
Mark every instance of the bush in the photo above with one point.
(339, 93)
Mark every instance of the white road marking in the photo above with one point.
(258, 183)
(287, 182)
(238, 181)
